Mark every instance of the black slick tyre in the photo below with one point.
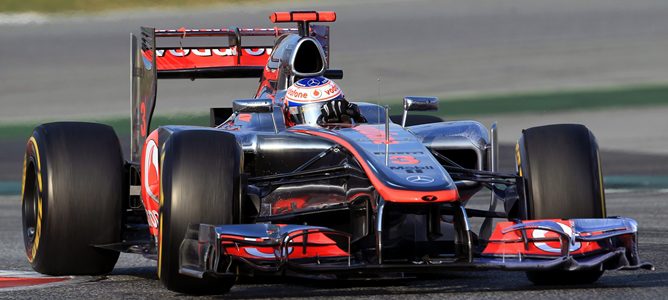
(561, 168)
(200, 185)
(72, 193)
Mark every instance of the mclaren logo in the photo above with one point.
(420, 179)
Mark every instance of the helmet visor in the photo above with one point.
(307, 114)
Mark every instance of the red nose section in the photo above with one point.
(429, 198)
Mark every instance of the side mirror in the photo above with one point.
(413, 103)
(253, 105)
(259, 105)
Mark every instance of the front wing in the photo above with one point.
(576, 244)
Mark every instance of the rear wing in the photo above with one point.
(234, 59)
(231, 61)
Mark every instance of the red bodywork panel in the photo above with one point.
(303, 16)
(511, 244)
(319, 245)
(388, 193)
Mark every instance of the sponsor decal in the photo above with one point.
(314, 89)
(374, 134)
(296, 94)
(333, 90)
(153, 218)
(314, 82)
(142, 118)
(202, 52)
(420, 179)
(554, 247)
(404, 160)
(258, 253)
(245, 117)
(150, 172)
(256, 52)
(207, 52)
(411, 169)
(401, 153)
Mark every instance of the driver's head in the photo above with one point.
(305, 98)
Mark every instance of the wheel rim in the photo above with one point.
(29, 209)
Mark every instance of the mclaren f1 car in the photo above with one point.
(254, 193)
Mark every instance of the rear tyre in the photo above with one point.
(73, 188)
(562, 171)
(200, 184)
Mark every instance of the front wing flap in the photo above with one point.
(576, 244)
(265, 247)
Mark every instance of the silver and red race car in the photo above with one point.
(257, 193)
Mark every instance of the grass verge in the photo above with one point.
(454, 107)
(548, 102)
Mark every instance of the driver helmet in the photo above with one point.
(305, 98)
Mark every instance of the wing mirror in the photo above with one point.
(413, 103)
(259, 105)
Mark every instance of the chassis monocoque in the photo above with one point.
(250, 195)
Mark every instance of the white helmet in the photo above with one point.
(305, 98)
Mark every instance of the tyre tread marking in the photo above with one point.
(38, 229)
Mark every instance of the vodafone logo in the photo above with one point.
(333, 90)
(312, 90)
(150, 173)
(293, 93)
(206, 52)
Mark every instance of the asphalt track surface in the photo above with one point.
(134, 277)
(77, 67)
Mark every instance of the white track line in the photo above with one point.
(22, 18)
(31, 274)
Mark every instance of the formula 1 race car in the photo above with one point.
(256, 193)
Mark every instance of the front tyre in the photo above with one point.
(200, 185)
(71, 198)
(562, 171)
